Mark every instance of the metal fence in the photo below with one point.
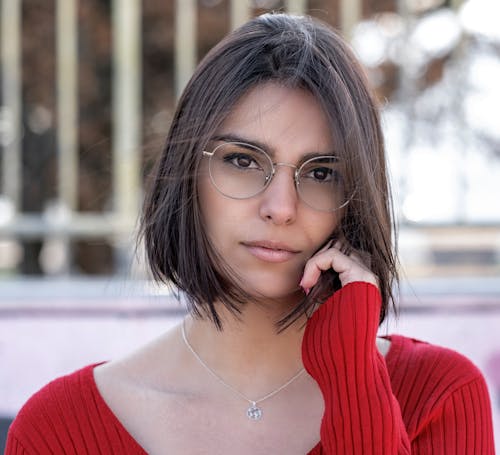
(119, 222)
(126, 121)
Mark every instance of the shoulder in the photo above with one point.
(426, 378)
(440, 393)
(412, 358)
(52, 416)
(59, 396)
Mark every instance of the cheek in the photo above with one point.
(203, 196)
(322, 226)
(208, 197)
(217, 213)
(203, 184)
(205, 201)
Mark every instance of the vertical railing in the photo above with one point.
(240, 13)
(67, 102)
(11, 93)
(350, 15)
(127, 120)
(185, 42)
(296, 6)
(67, 119)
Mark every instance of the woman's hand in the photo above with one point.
(350, 267)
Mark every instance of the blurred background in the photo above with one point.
(87, 93)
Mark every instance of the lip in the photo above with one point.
(271, 251)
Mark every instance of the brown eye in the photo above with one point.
(321, 174)
(241, 160)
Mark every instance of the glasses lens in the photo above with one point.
(239, 170)
(320, 183)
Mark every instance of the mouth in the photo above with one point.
(270, 251)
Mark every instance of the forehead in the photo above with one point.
(284, 120)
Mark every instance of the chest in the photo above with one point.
(196, 424)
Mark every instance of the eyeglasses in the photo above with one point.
(241, 171)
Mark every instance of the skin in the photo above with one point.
(161, 393)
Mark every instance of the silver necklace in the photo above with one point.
(253, 412)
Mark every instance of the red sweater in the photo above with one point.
(420, 399)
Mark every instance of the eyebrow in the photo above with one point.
(269, 150)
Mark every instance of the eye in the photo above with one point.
(241, 160)
(321, 170)
(321, 174)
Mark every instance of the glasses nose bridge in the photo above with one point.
(292, 166)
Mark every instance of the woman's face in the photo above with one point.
(267, 239)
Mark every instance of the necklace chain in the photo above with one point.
(253, 412)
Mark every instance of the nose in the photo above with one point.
(279, 200)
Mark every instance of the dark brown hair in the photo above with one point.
(298, 52)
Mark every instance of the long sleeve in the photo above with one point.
(362, 416)
(421, 400)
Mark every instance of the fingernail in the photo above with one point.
(306, 290)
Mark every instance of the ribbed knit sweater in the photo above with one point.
(421, 399)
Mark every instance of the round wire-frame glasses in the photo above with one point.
(240, 171)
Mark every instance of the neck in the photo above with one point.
(248, 353)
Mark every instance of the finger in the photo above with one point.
(350, 268)
(343, 245)
(331, 258)
(326, 246)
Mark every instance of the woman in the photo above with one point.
(270, 210)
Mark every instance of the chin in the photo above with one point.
(272, 282)
(275, 290)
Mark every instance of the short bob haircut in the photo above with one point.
(298, 52)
